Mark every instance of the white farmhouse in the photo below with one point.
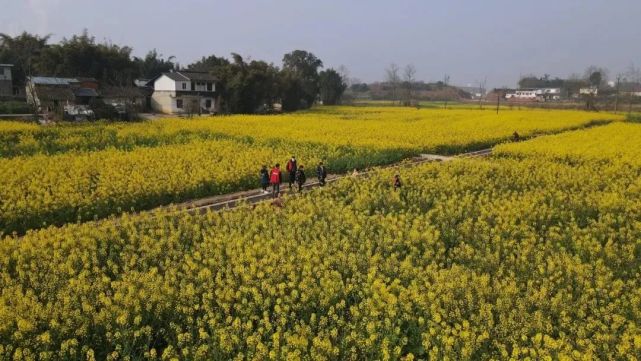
(589, 91)
(522, 94)
(184, 92)
(538, 94)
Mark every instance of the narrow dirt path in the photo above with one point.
(233, 200)
(257, 195)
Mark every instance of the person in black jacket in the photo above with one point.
(264, 178)
(397, 182)
(321, 173)
(300, 177)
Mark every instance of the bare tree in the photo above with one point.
(393, 79)
(596, 76)
(446, 81)
(482, 85)
(409, 74)
(616, 95)
(344, 73)
(633, 76)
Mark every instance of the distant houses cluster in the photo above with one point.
(192, 92)
(175, 92)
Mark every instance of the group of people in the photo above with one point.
(296, 172)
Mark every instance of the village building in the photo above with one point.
(69, 97)
(589, 91)
(475, 92)
(184, 92)
(522, 94)
(6, 81)
(631, 89)
(534, 94)
(127, 98)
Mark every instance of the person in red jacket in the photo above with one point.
(275, 178)
(292, 167)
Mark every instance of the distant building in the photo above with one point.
(550, 93)
(528, 94)
(6, 81)
(589, 91)
(184, 92)
(126, 98)
(534, 94)
(50, 94)
(631, 89)
(474, 91)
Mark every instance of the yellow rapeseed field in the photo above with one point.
(533, 254)
(618, 142)
(59, 174)
(475, 259)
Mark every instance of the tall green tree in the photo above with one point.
(332, 86)
(300, 78)
(153, 64)
(24, 52)
(210, 64)
(244, 87)
(82, 56)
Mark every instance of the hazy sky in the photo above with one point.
(469, 40)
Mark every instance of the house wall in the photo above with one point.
(165, 84)
(6, 82)
(5, 73)
(202, 86)
(164, 102)
(6, 88)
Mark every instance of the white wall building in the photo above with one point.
(184, 92)
(589, 91)
(522, 94)
(539, 94)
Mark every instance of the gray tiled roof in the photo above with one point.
(198, 76)
(176, 76)
(85, 92)
(45, 80)
(48, 93)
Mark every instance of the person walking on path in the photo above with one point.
(321, 172)
(397, 182)
(291, 169)
(300, 178)
(275, 178)
(264, 178)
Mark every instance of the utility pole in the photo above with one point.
(616, 99)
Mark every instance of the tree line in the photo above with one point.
(243, 86)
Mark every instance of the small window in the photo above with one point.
(209, 86)
(208, 103)
(184, 86)
(193, 86)
(179, 103)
